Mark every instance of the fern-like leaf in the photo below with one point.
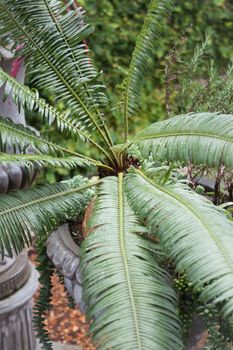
(192, 231)
(40, 161)
(20, 138)
(204, 138)
(69, 73)
(30, 99)
(142, 57)
(39, 211)
(129, 298)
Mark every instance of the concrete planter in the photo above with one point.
(65, 255)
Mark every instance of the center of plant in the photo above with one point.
(125, 162)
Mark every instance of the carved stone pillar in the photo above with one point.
(18, 282)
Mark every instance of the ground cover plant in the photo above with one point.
(148, 236)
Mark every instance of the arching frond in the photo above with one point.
(142, 57)
(39, 211)
(55, 54)
(129, 298)
(40, 161)
(20, 137)
(192, 231)
(203, 138)
(30, 99)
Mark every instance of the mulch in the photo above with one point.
(64, 324)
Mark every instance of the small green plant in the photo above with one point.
(142, 214)
(196, 84)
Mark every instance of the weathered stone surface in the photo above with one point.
(14, 272)
(16, 330)
(64, 253)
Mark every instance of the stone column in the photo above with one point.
(18, 282)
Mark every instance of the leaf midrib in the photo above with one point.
(124, 255)
(191, 133)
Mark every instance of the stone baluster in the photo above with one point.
(18, 282)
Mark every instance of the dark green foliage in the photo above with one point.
(43, 302)
(187, 298)
(39, 211)
(122, 23)
(70, 300)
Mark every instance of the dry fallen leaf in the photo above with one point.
(65, 325)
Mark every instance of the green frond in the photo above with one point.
(56, 56)
(192, 231)
(130, 299)
(39, 211)
(203, 138)
(30, 99)
(40, 161)
(20, 138)
(142, 57)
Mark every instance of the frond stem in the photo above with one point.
(124, 254)
(98, 164)
(126, 121)
(174, 134)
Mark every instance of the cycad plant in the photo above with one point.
(144, 221)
